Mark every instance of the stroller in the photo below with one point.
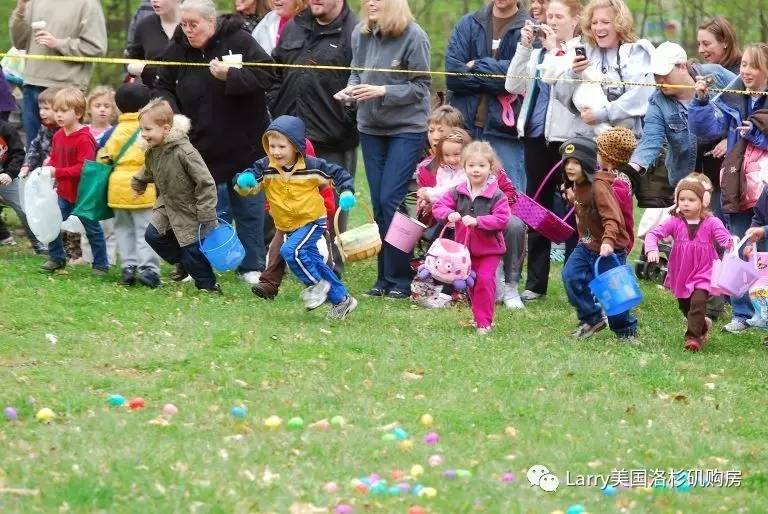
(653, 271)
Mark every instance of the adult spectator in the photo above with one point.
(71, 28)
(539, 10)
(614, 54)
(392, 111)
(718, 44)
(321, 35)
(726, 116)
(267, 33)
(252, 11)
(484, 42)
(152, 37)
(227, 107)
(144, 10)
(544, 123)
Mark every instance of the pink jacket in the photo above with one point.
(490, 207)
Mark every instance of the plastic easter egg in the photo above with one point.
(463, 473)
(238, 412)
(415, 509)
(416, 489)
(331, 487)
(388, 437)
(373, 478)
(400, 434)
(136, 403)
(450, 473)
(431, 438)
(322, 425)
(417, 470)
(355, 482)
(295, 423)
(404, 487)
(396, 474)
(683, 487)
(427, 420)
(394, 491)
(170, 409)
(610, 490)
(273, 422)
(435, 460)
(10, 414)
(428, 492)
(361, 488)
(343, 508)
(338, 421)
(575, 509)
(406, 445)
(378, 488)
(508, 477)
(116, 400)
(45, 415)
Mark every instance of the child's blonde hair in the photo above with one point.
(158, 111)
(756, 55)
(454, 135)
(483, 149)
(98, 92)
(446, 115)
(70, 98)
(48, 96)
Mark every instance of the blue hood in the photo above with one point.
(292, 128)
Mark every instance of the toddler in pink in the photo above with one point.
(695, 232)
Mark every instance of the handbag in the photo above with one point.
(652, 188)
(94, 182)
(539, 218)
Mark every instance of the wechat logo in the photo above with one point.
(539, 475)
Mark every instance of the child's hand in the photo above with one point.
(652, 256)
(246, 180)
(469, 221)
(24, 171)
(747, 251)
(421, 194)
(755, 233)
(347, 200)
(605, 250)
(454, 217)
(5, 179)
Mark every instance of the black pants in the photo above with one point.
(190, 256)
(540, 157)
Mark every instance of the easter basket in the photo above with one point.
(539, 218)
(359, 243)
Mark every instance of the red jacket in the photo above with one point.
(68, 153)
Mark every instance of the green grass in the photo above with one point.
(586, 407)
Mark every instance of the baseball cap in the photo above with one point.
(665, 57)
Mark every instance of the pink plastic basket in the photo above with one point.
(539, 218)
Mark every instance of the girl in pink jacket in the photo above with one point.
(695, 231)
(480, 211)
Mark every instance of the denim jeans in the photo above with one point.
(92, 231)
(223, 209)
(248, 214)
(30, 112)
(511, 153)
(194, 262)
(389, 165)
(303, 257)
(739, 223)
(578, 272)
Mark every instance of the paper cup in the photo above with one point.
(234, 60)
(38, 25)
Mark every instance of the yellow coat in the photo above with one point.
(120, 194)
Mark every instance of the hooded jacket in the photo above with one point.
(186, 192)
(228, 116)
(294, 193)
(599, 217)
(68, 155)
(119, 192)
(308, 94)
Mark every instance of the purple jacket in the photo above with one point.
(7, 102)
(490, 208)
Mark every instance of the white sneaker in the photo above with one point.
(251, 277)
(512, 297)
(514, 303)
(188, 278)
(736, 325)
(314, 296)
(500, 284)
(482, 331)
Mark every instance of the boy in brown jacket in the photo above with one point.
(602, 232)
(186, 192)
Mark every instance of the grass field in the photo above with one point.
(524, 395)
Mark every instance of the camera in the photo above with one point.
(537, 30)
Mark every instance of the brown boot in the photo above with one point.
(50, 265)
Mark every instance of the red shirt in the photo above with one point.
(68, 153)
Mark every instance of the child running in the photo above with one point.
(291, 182)
(695, 232)
(480, 207)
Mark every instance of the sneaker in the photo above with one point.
(736, 325)
(316, 295)
(40, 248)
(251, 277)
(692, 345)
(376, 291)
(214, 290)
(99, 272)
(396, 294)
(514, 303)
(482, 331)
(629, 339)
(261, 291)
(50, 265)
(8, 241)
(511, 297)
(530, 296)
(149, 278)
(179, 274)
(586, 330)
(343, 308)
(128, 276)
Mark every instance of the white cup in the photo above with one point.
(234, 60)
(38, 25)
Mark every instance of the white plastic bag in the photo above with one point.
(41, 205)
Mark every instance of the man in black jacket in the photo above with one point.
(319, 35)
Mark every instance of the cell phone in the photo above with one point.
(581, 50)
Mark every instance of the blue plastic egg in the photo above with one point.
(575, 509)
(400, 434)
(610, 490)
(238, 412)
(116, 400)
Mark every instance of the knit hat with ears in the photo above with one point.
(693, 185)
(617, 145)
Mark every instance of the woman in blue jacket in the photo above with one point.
(726, 117)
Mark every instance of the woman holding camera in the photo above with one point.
(544, 123)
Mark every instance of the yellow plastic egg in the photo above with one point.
(273, 422)
(428, 492)
(427, 420)
(417, 470)
(45, 415)
(406, 445)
